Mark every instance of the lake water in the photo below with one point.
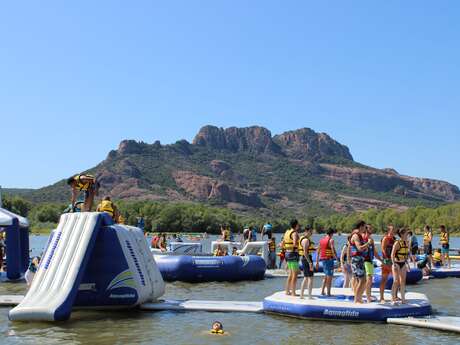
(136, 327)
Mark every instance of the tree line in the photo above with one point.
(195, 217)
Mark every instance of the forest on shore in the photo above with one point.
(198, 217)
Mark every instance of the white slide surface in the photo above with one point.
(56, 282)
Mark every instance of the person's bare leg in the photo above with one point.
(329, 285)
(402, 284)
(395, 286)
(369, 288)
(294, 283)
(288, 282)
(361, 288)
(383, 282)
(89, 201)
(323, 286)
(310, 287)
(302, 287)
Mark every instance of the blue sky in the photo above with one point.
(78, 77)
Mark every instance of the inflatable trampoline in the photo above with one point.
(198, 269)
(412, 277)
(340, 306)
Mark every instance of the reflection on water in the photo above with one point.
(137, 327)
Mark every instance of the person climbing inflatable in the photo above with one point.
(84, 183)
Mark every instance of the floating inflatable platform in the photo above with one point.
(10, 300)
(413, 277)
(197, 305)
(444, 272)
(440, 323)
(340, 307)
(199, 269)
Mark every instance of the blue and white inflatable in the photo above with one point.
(412, 277)
(340, 306)
(444, 272)
(17, 243)
(198, 269)
(90, 262)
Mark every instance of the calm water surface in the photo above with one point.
(135, 327)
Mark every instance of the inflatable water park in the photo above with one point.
(74, 274)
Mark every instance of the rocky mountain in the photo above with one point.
(250, 170)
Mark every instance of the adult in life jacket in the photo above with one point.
(399, 256)
(326, 253)
(290, 244)
(225, 233)
(369, 256)
(272, 253)
(107, 206)
(444, 242)
(306, 250)
(358, 249)
(87, 184)
(427, 245)
(387, 264)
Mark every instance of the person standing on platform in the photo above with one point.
(290, 244)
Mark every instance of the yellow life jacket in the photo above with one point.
(226, 235)
(444, 238)
(426, 238)
(403, 252)
(106, 206)
(289, 244)
(272, 246)
(83, 186)
(219, 331)
(311, 246)
(437, 257)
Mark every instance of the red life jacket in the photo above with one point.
(155, 241)
(390, 241)
(325, 250)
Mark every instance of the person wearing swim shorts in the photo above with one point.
(369, 255)
(399, 256)
(357, 249)
(387, 265)
(444, 242)
(326, 253)
(290, 244)
(306, 250)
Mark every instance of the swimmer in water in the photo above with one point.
(217, 328)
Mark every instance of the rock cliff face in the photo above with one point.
(306, 144)
(248, 169)
(251, 139)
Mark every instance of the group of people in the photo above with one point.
(356, 259)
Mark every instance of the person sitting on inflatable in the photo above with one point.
(437, 258)
(220, 251)
(33, 267)
(107, 206)
(217, 328)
